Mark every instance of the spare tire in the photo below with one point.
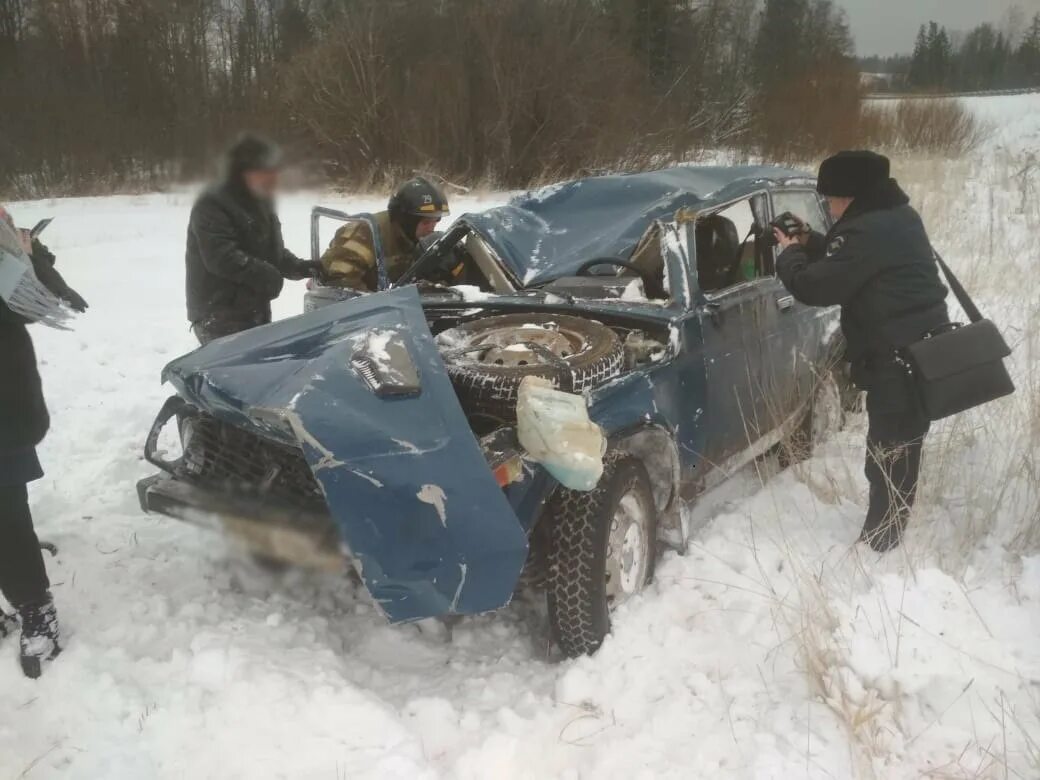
(488, 358)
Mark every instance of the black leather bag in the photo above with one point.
(961, 366)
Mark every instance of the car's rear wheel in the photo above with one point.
(488, 358)
(602, 549)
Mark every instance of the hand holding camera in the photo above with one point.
(789, 229)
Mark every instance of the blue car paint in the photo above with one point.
(292, 381)
(404, 479)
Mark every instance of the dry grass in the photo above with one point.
(943, 127)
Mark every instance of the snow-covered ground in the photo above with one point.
(1014, 120)
(774, 648)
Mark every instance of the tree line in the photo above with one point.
(109, 94)
(985, 58)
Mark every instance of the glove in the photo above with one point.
(75, 300)
(312, 269)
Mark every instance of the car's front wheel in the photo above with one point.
(825, 416)
(602, 547)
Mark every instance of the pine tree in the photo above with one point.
(939, 53)
(1027, 58)
(918, 74)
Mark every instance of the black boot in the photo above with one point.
(40, 635)
(886, 538)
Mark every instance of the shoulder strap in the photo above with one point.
(958, 290)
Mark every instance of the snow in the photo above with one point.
(774, 648)
(472, 294)
(634, 292)
(1013, 120)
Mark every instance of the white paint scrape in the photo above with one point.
(434, 496)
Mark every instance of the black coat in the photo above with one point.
(877, 263)
(23, 413)
(236, 259)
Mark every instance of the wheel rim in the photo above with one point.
(628, 549)
(828, 411)
(518, 346)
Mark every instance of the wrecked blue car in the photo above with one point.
(383, 431)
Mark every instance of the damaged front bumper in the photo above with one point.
(360, 391)
(275, 531)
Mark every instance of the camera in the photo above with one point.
(788, 224)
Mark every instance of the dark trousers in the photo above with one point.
(23, 577)
(218, 327)
(895, 437)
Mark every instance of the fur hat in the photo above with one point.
(853, 174)
(252, 153)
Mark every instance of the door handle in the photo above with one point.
(785, 302)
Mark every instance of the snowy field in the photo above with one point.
(774, 648)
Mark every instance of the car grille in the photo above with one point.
(221, 456)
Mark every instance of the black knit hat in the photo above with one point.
(852, 174)
(252, 153)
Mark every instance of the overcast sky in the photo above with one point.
(890, 26)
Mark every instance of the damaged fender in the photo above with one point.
(361, 387)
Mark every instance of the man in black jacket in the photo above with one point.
(236, 259)
(23, 423)
(877, 264)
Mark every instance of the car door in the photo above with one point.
(735, 315)
(805, 329)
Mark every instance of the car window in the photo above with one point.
(730, 246)
(648, 257)
(804, 204)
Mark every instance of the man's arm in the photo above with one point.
(350, 259)
(290, 265)
(833, 279)
(222, 255)
(816, 246)
(294, 268)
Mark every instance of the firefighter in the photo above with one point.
(876, 263)
(410, 219)
(236, 260)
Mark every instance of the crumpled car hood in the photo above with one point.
(403, 475)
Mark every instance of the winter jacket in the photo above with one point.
(23, 413)
(236, 260)
(350, 260)
(878, 265)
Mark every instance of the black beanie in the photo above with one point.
(852, 174)
(252, 153)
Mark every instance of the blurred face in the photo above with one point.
(262, 184)
(838, 206)
(425, 228)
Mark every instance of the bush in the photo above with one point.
(930, 126)
(511, 94)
